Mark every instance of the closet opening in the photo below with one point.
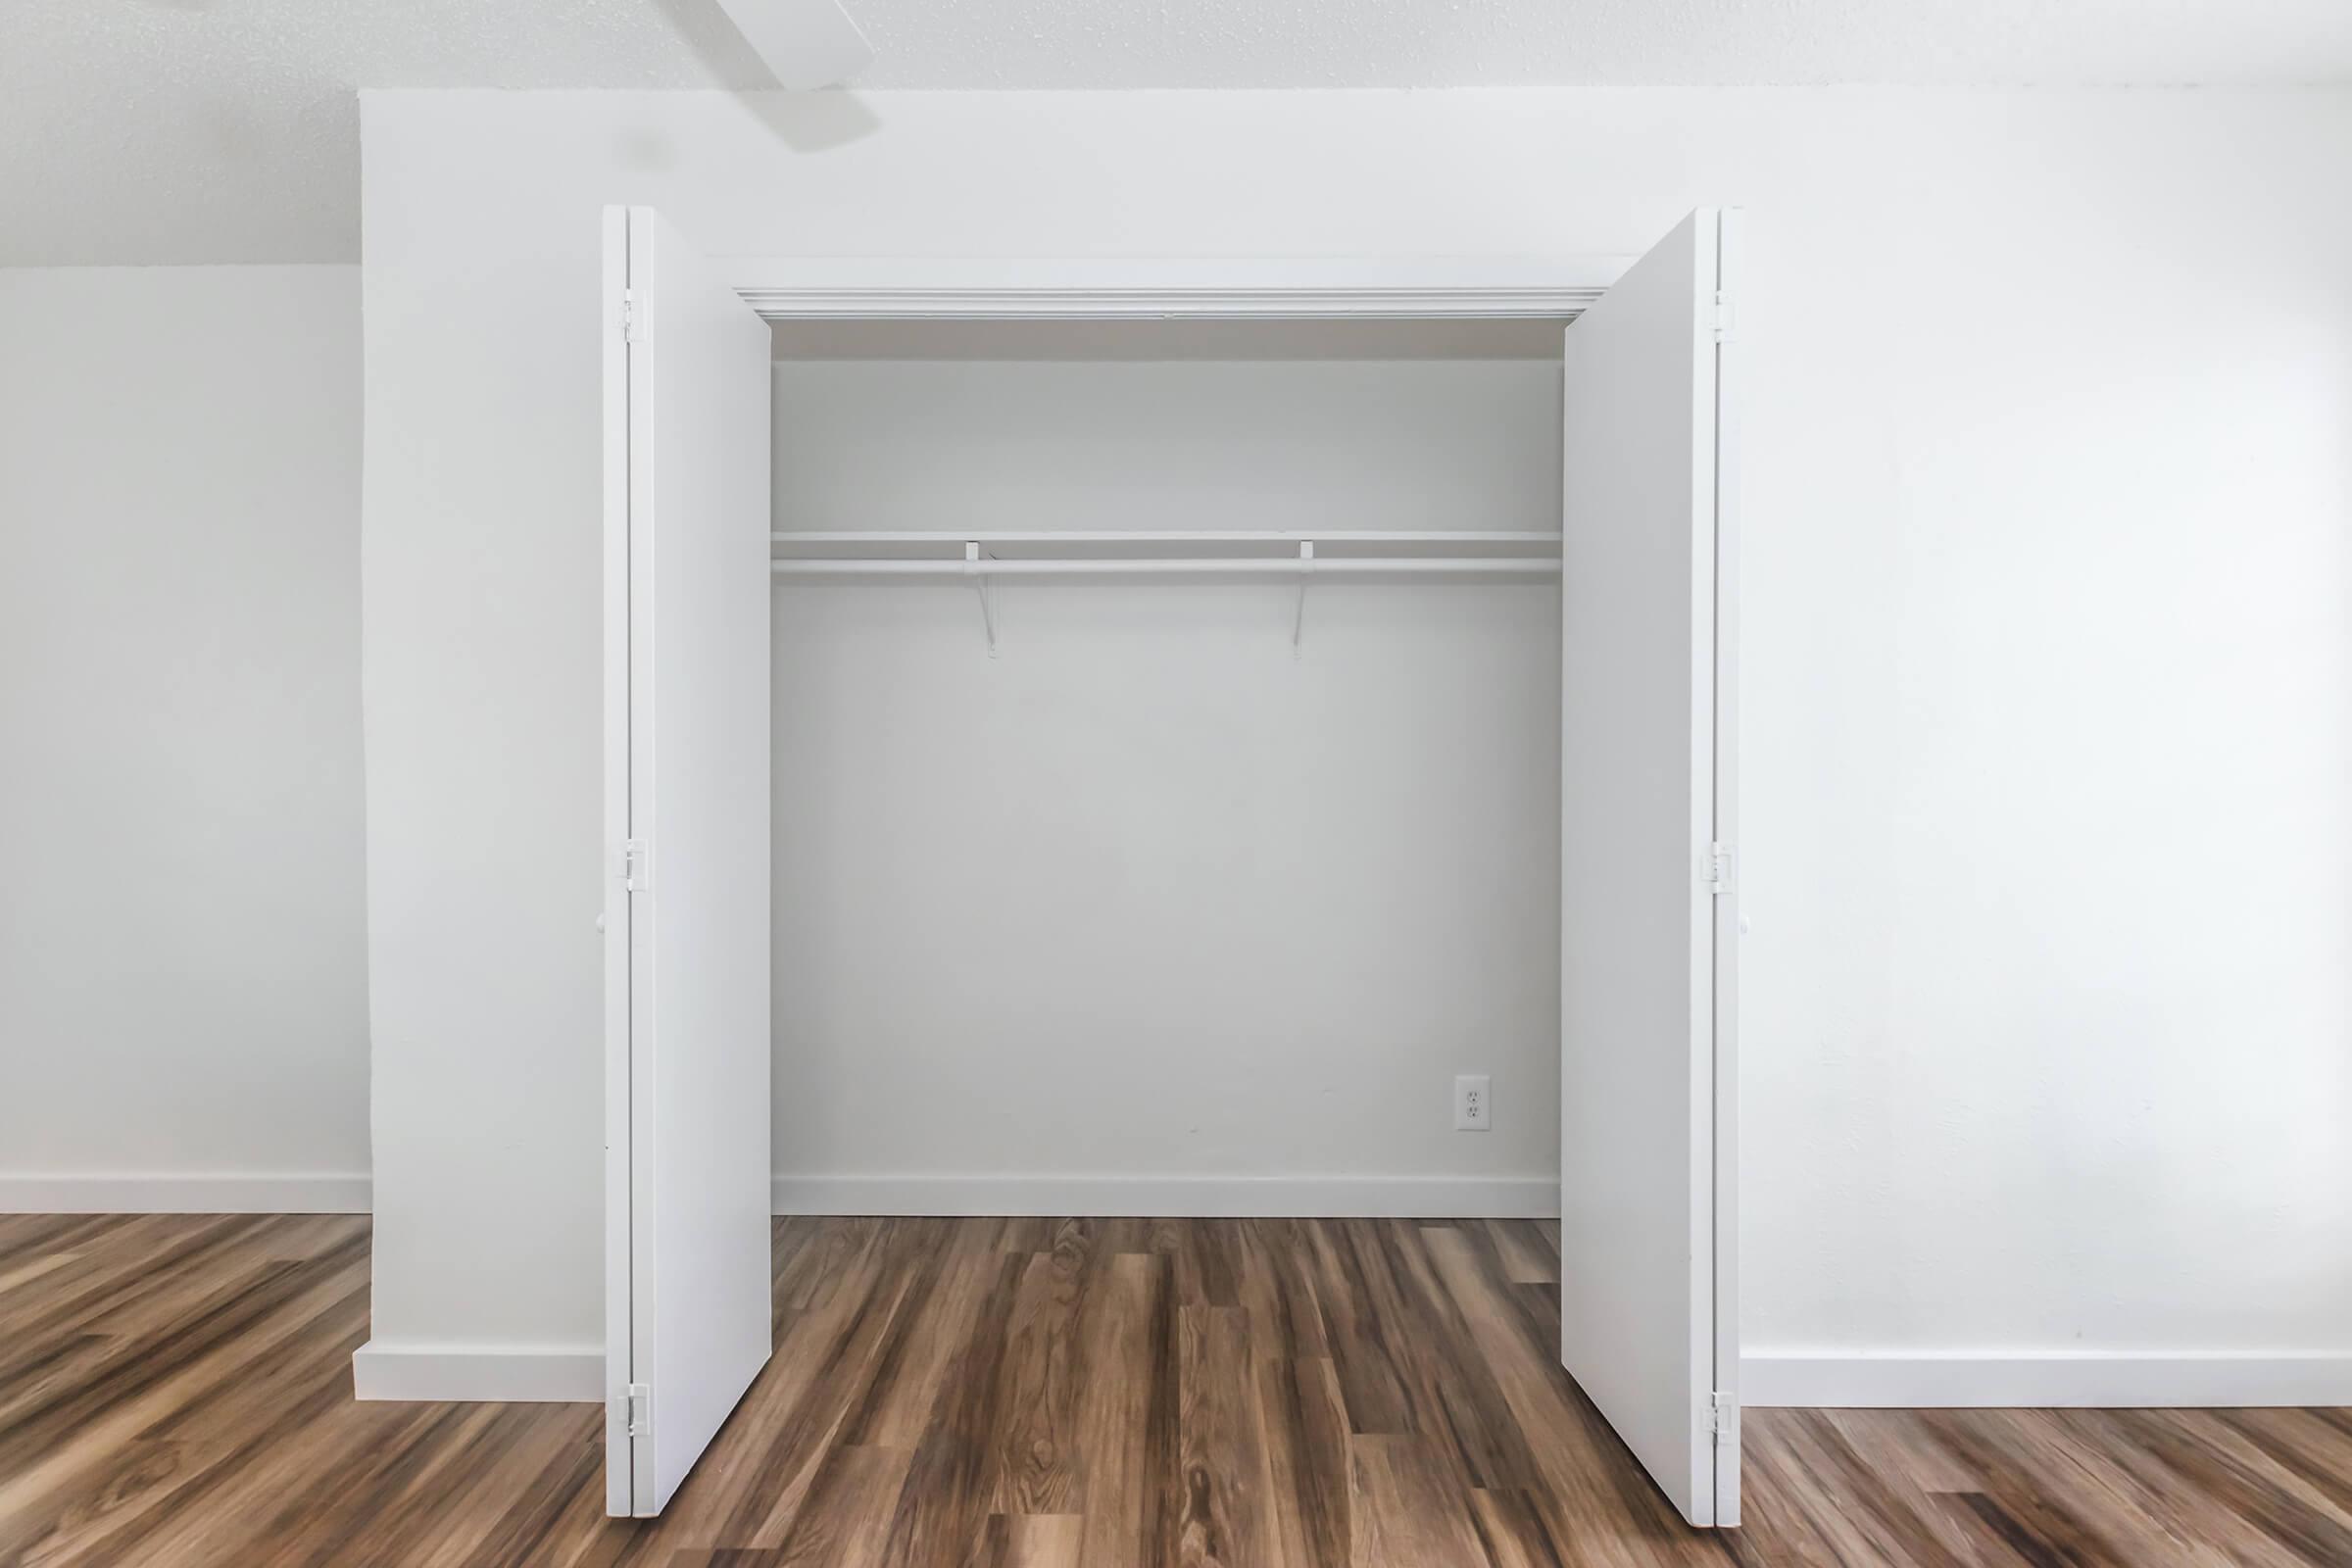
(1127, 770)
(1166, 765)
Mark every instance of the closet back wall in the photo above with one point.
(1148, 912)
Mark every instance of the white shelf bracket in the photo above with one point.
(1306, 569)
(988, 608)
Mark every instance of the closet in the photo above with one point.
(961, 610)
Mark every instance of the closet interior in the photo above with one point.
(1166, 752)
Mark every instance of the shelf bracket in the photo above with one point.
(988, 608)
(1306, 569)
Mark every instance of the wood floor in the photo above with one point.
(1030, 1394)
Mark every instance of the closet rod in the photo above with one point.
(1141, 536)
(1266, 566)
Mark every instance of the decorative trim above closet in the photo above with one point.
(1436, 288)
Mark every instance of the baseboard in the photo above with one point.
(518, 1373)
(2044, 1382)
(1176, 1197)
(173, 1193)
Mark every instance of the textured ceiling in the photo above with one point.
(177, 130)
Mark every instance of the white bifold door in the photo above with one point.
(1648, 1323)
(686, 813)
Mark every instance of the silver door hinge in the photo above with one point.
(1723, 1419)
(1719, 870)
(632, 329)
(640, 1411)
(1725, 317)
(636, 866)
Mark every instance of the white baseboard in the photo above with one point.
(1176, 1197)
(2044, 1382)
(173, 1193)
(508, 1373)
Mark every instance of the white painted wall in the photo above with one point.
(2049, 642)
(182, 991)
(1146, 912)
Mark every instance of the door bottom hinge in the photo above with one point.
(1719, 870)
(639, 1413)
(1723, 1419)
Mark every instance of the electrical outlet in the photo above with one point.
(1473, 1103)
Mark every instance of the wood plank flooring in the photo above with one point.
(1036, 1393)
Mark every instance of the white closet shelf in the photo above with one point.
(1068, 555)
(1075, 552)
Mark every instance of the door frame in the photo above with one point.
(613, 921)
(1038, 289)
(1731, 230)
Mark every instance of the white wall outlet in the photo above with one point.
(1473, 1103)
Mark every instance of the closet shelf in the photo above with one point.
(1066, 554)
(1135, 551)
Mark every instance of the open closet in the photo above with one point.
(1246, 668)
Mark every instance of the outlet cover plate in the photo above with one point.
(1473, 1103)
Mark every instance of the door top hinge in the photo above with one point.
(1723, 1419)
(640, 1411)
(1725, 317)
(632, 319)
(1719, 870)
(636, 866)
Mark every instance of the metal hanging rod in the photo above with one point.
(1141, 536)
(1178, 566)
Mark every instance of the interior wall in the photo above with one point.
(2047, 676)
(1152, 912)
(182, 992)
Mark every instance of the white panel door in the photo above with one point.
(1648, 1319)
(687, 810)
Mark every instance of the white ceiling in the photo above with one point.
(181, 130)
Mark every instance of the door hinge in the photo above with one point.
(1723, 1419)
(640, 1411)
(632, 325)
(1725, 317)
(636, 866)
(1719, 870)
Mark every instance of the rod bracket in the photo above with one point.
(1306, 569)
(988, 608)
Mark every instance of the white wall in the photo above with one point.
(1149, 912)
(2048, 668)
(182, 991)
